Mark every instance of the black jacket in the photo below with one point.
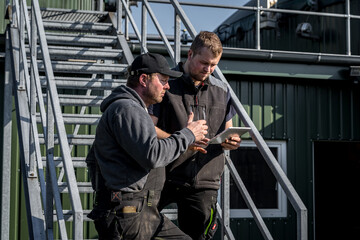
(210, 102)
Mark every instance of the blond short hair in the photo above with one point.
(209, 40)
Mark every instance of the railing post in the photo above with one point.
(128, 15)
(21, 84)
(143, 26)
(177, 39)
(118, 16)
(49, 210)
(348, 34)
(14, 10)
(126, 31)
(33, 49)
(100, 5)
(225, 199)
(257, 35)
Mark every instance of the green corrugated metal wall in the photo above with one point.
(3, 22)
(298, 111)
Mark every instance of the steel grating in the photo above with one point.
(72, 15)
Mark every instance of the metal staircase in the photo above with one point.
(63, 64)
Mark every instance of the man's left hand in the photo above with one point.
(231, 144)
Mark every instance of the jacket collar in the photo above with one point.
(187, 79)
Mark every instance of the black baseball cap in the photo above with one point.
(152, 63)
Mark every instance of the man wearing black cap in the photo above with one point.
(126, 160)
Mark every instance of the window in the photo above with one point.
(261, 184)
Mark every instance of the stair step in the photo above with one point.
(87, 27)
(78, 162)
(72, 139)
(84, 40)
(79, 100)
(60, 14)
(84, 187)
(65, 53)
(85, 67)
(84, 119)
(85, 83)
(68, 215)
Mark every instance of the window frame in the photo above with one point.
(281, 210)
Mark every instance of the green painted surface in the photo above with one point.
(298, 112)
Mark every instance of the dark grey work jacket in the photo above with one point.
(210, 102)
(126, 146)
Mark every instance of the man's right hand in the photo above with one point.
(198, 128)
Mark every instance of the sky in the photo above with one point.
(202, 18)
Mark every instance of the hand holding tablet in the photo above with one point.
(228, 133)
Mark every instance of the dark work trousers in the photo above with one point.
(196, 209)
(146, 223)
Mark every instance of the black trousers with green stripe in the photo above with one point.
(196, 209)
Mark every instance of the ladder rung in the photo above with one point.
(86, 119)
(68, 215)
(78, 100)
(61, 14)
(84, 187)
(85, 67)
(81, 40)
(65, 52)
(79, 26)
(85, 83)
(73, 140)
(78, 162)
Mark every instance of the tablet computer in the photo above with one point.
(227, 133)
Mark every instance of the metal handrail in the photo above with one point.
(59, 122)
(262, 146)
(259, 9)
(259, 221)
(37, 28)
(281, 177)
